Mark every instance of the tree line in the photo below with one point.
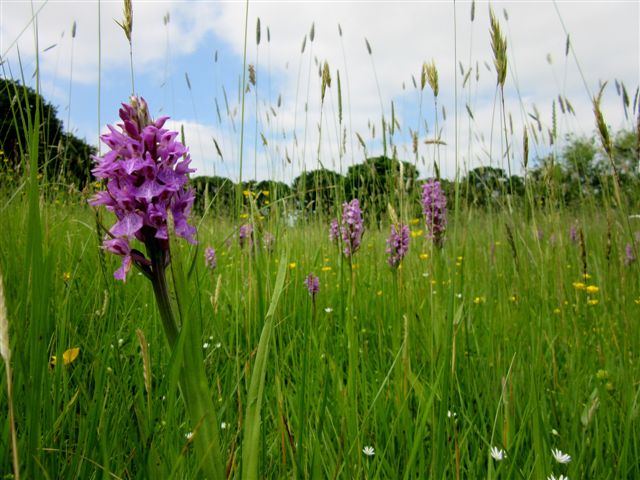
(578, 171)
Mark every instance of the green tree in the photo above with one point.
(63, 157)
(380, 181)
(316, 190)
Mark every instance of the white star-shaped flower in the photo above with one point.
(369, 451)
(560, 457)
(498, 454)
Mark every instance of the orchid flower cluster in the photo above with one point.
(397, 244)
(334, 231)
(245, 235)
(434, 207)
(210, 259)
(312, 284)
(146, 172)
(352, 227)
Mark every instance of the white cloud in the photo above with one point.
(187, 28)
(402, 35)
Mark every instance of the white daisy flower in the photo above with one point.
(223, 426)
(560, 457)
(205, 345)
(188, 435)
(498, 454)
(328, 309)
(369, 451)
(553, 477)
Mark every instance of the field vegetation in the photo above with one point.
(481, 326)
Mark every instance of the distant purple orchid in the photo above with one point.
(629, 256)
(434, 207)
(352, 227)
(334, 231)
(312, 283)
(146, 171)
(245, 235)
(573, 234)
(397, 244)
(210, 258)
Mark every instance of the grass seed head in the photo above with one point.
(603, 130)
(127, 20)
(326, 79)
(432, 77)
(499, 48)
(258, 31)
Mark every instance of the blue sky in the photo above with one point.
(604, 38)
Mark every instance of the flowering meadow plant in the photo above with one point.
(334, 231)
(210, 259)
(146, 172)
(352, 227)
(245, 235)
(312, 284)
(397, 244)
(434, 208)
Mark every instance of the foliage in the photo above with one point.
(316, 190)
(378, 181)
(63, 157)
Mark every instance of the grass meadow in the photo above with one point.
(518, 335)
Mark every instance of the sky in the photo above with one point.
(188, 62)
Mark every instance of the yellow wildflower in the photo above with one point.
(68, 356)
(424, 256)
(556, 311)
(292, 265)
(414, 221)
(265, 193)
(579, 285)
(246, 193)
(592, 289)
(586, 276)
(416, 233)
(592, 301)
(379, 293)
(66, 276)
(326, 269)
(479, 300)
(244, 215)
